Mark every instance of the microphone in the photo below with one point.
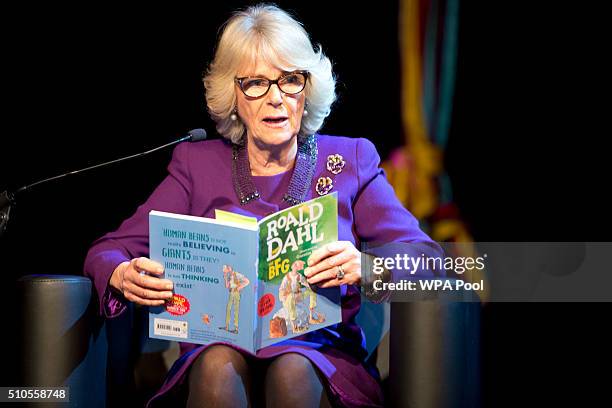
(195, 135)
(7, 198)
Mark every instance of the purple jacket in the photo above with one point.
(199, 181)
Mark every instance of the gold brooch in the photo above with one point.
(324, 185)
(335, 163)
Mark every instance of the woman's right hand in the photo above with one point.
(131, 278)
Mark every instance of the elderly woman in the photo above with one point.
(269, 91)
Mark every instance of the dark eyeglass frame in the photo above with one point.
(271, 82)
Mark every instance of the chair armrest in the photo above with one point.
(63, 342)
(435, 354)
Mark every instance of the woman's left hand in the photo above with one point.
(324, 263)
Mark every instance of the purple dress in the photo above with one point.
(199, 181)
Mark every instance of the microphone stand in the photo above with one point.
(7, 198)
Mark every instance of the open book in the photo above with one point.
(241, 281)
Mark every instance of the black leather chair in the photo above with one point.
(434, 347)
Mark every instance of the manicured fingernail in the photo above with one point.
(307, 271)
(169, 286)
(309, 261)
(160, 270)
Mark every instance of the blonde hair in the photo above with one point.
(267, 32)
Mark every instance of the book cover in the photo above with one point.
(241, 281)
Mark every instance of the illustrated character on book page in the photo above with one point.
(314, 316)
(291, 296)
(234, 282)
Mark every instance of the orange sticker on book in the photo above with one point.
(265, 304)
(178, 305)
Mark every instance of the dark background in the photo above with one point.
(526, 154)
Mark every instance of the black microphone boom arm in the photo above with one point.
(7, 199)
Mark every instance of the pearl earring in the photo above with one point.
(305, 113)
(233, 116)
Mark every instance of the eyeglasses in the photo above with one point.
(289, 83)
